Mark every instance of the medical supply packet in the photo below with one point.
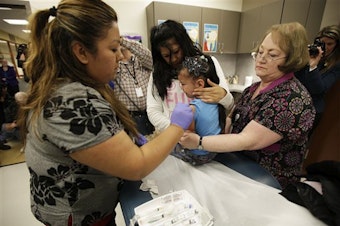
(178, 208)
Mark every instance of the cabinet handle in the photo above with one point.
(220, 47)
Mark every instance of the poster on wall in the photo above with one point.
(192, 30)
(210, 37)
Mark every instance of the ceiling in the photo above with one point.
(20, 10)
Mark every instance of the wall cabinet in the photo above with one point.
(309, 14)
(248, 36)
(255, 21)
(227, 21)
(241, 32)
(291, 14)
(159, 11)
(314, 18)
(228, 27)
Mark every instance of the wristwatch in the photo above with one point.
(200, 147)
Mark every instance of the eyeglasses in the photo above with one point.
(267, 57)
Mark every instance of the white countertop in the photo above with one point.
(236, 88)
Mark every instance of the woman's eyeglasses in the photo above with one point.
(267, 57)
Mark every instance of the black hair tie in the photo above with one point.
(53, 11)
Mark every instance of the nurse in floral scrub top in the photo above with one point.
(271, 121)
(80, 142)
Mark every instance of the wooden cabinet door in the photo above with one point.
(229, 29)
(248, 35)
(314, 18)
(211, 16)
(270, 15)
(156, 11)
(166, 11)
(192, 14)
(295, 11)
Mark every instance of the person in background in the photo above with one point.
(8, 75)
(271, 121)
(3, 146)
(209, 118)
(9, 129)
(131, 82)
(323, 69)
(3, 100)
(21, 58)
(170, 44)
(3, 104)
(80, 141)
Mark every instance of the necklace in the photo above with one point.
(134, 72)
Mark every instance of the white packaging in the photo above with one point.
(174, 209)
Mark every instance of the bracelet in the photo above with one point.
(200, 146)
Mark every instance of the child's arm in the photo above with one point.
(192, 125)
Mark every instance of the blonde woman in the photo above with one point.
(272, 119)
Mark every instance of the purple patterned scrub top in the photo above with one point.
(286, 108)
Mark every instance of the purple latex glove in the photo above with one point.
(141, 140)
(182, 115)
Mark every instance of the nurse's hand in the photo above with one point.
(189, 140)
(182, 115)
(141, 140)
(211, 94)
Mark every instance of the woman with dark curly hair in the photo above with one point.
(170, 44)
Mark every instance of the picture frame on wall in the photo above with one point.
(193, 30)
(210, 37)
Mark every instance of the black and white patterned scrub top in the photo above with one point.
(75, 117)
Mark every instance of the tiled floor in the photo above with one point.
(14, 198)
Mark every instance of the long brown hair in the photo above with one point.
(333, 58)
(51, 60)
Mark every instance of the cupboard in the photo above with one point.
(255, 21)
(309, 14)
(227, 21)
(240, 32)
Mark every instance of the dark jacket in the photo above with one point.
(318, 83)
(325, 207)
